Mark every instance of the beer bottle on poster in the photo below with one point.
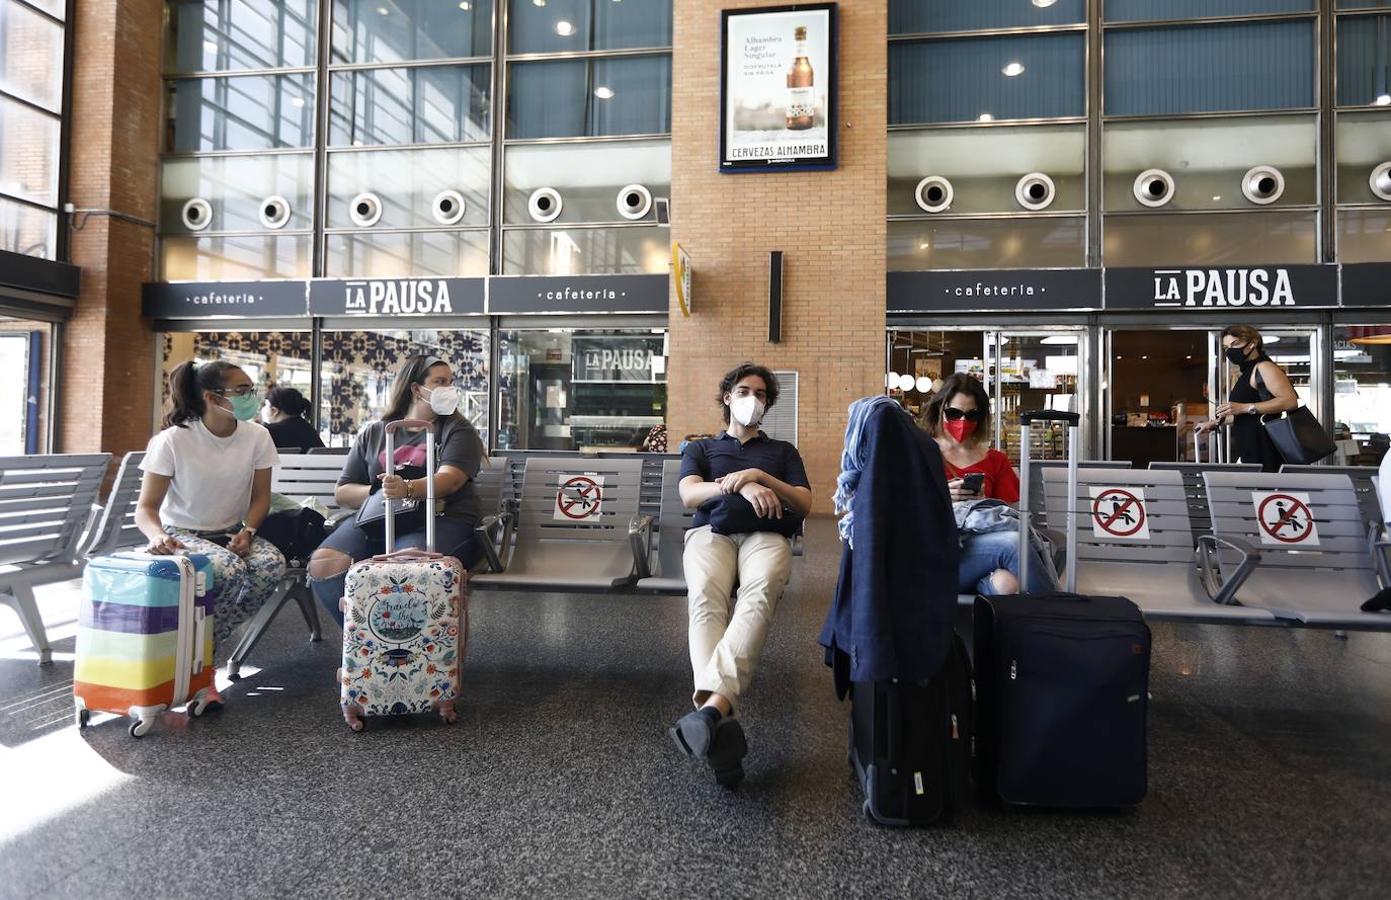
(801, 97)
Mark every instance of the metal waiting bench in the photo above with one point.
(1038, 508)
(576, 519)
(116, 528)
(1319, 559)
(1196, 491)
(1148, 556)
(1362, 484)
(46, 503)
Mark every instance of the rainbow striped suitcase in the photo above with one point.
(144, 637)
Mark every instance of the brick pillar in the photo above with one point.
(830, 226)
(106, 381)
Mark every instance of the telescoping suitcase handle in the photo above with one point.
(391, 429)
(1072, 420)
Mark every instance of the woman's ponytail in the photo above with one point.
(187, 383)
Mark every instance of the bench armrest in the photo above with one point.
(640, 540)
(1210, 569)
(494, 534)
(1379, 545)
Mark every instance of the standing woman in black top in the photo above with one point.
(1261, 389)
(284, 418)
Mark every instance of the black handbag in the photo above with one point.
(734, 514)
(1296, 433)
(371, 518)
(296, 533)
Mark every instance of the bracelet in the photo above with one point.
(410, 490)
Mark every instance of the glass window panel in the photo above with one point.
(921, 16)
(269, 358)
(590, 98)
(243, 112)
(1156, 10)
(31, 56)
(1362, 392)
(984, 166)
(577, 25)
(1363, 4)
(961, 80)
(28, 231)
(1157, 239)
(420, 105)
(226, 35)
(1013, 243)
(1364, 235)
(1363, 142)
(28, 153)
(1210, 68)
(237, 186)
(56, 8)
(544, 405)
(358, 368)
(387, 254)
(1209, 158)
(586, 251)
(26, 378)
(394, 30)
(239, 258)
(407, 182)
(588, 177)
(1364, 60)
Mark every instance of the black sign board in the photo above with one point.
(1216, 288)
(615, 357)
(577, 294)
(396, 297)
(994, 290)
(243, 299)
(1367, 284)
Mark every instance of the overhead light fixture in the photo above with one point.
(1384, 100)
(465, 5)
(924, 246)
(1273, 339)
(1012, 69)
(603, 92)
(564, 28)
(1044, 4)
(538, 2)
(985, 117)
(383, 11)
(1216, 197)
(1059, 339)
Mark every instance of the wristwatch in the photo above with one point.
(1250, 409)
(246, 527)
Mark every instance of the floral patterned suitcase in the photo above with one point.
(144, 637)
(405, 621)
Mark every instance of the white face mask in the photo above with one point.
(747, 410)
(445, 400)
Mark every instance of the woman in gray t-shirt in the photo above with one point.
(423, 389)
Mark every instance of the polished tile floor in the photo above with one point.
(1270, 776)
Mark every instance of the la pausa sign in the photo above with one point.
(407, 296)
(1223, 287)
(618, 359)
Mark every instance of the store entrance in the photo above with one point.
(1161, 382)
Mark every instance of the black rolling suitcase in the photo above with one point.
(1062, 683)
(910, 743)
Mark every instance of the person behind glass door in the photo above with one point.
(206, 489)
(423, 389)
(726, 637)
(284, 418)
(958, 417)
(1262, 388)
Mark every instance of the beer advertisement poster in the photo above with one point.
(777, 88)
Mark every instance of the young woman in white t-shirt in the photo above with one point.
(206, 487)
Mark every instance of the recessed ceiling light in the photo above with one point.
(564, 28)
(1216, 196)
(1012, 69)
(985, 117)
(1384, 100)
(538, 2)
(465, 5)
(603, 92)
(1044, 4)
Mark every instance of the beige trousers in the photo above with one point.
(725, 647)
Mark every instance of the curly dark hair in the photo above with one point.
(959, 383)
(738, 374)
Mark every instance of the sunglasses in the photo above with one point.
(951, 414)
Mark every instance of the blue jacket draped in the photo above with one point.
(895, 602)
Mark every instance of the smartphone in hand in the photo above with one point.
(972, 482)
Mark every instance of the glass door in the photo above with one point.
(1036, 369)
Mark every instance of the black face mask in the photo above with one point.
(1236, 356)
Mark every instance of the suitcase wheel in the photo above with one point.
(83, 717)
(141, 727)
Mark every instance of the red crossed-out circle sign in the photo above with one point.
(1123, 515)
(579, 498)
(1280, 511)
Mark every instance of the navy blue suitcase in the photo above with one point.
(1062, 685)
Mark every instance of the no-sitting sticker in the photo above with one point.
(1286, 519)
(1119, 513)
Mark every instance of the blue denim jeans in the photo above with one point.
(982, 554)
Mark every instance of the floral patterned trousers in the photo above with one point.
(241, 585)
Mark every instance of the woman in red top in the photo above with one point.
(959, 418)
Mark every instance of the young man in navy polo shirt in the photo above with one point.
(724, 649)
